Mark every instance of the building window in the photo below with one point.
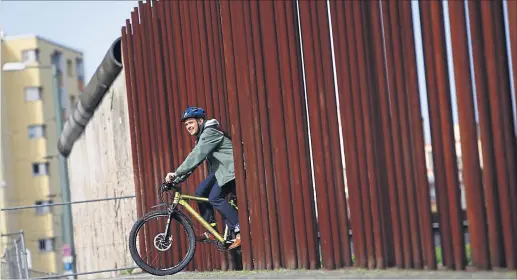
(46, 245)
(79, 70)
(33, 93)
(36, 131)
(30, 55)
(40, 169)
(43, 209)
(69, 68)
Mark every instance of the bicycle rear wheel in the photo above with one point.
(157, 250)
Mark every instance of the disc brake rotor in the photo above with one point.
(161, 244)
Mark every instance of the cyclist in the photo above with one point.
(215, 146)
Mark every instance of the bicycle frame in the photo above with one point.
(181, 199)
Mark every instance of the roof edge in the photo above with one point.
(38, 37)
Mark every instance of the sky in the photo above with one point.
(89, 26)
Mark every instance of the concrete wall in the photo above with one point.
(101, 166)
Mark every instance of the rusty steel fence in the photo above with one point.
(328, 103)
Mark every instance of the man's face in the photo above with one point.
(192, 125)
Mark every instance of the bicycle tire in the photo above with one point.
(178, 217)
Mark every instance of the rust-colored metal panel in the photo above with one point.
(397, 135)
(469, 141)
(399, 91)
(166, 30)
(415, 115)
(307, 188)
(495, 237)
(227, 24)
(291, 78)
(376, 259)
(502, 119)
(336, 190)
(511, 7)
(273, 86)
(316, 105)
(341, 35)
(242, 98)
(268, 188)
(256, 74)
(444, 155)
(389, 187)
(129, 70)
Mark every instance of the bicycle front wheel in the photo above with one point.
(156, 254)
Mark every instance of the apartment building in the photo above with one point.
(29, 170)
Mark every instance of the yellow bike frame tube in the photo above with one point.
(197, 198)
(201, 220)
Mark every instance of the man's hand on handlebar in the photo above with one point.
(170, 177)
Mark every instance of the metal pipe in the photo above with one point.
(427, 238)
(400, 92)
(232, 87)
(342, 35)
(314, 96)
(469, 139)
(495, 238)
(272, 214)
(502, 119)
(381, 86)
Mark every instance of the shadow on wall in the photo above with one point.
(93, 93)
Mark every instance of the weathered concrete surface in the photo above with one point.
(336, 274)
(100, 166)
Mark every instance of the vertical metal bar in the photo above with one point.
(315, 94)
(183, 54)
(446, 167)
(174, 109)
(382, 87)
(341, 40)
(354, 31)
(495, 237)
(287, 84)
(261, 100)
(161, 51)
(469, 141)
(241, 41)
(397, 135)
(166, 30)
(140, 77)
(149, 115)
(263, 256)
(229, 55)
(511, 7)
(342, 252)
(427, 239)
(212, 29)
(279, 145)
(129, 71)
(198, 96)
(307, 191)
(400, 94)
(372, 199)
(502, 117)
(303, 138)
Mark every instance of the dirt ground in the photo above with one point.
(337, 274)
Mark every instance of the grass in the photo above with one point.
(468, 253)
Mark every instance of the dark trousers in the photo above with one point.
(216, 196)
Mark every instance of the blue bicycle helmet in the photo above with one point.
(193, 112)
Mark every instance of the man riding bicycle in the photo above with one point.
(216, 147)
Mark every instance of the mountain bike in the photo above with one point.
(162, 237)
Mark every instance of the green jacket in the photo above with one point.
(213, 146)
